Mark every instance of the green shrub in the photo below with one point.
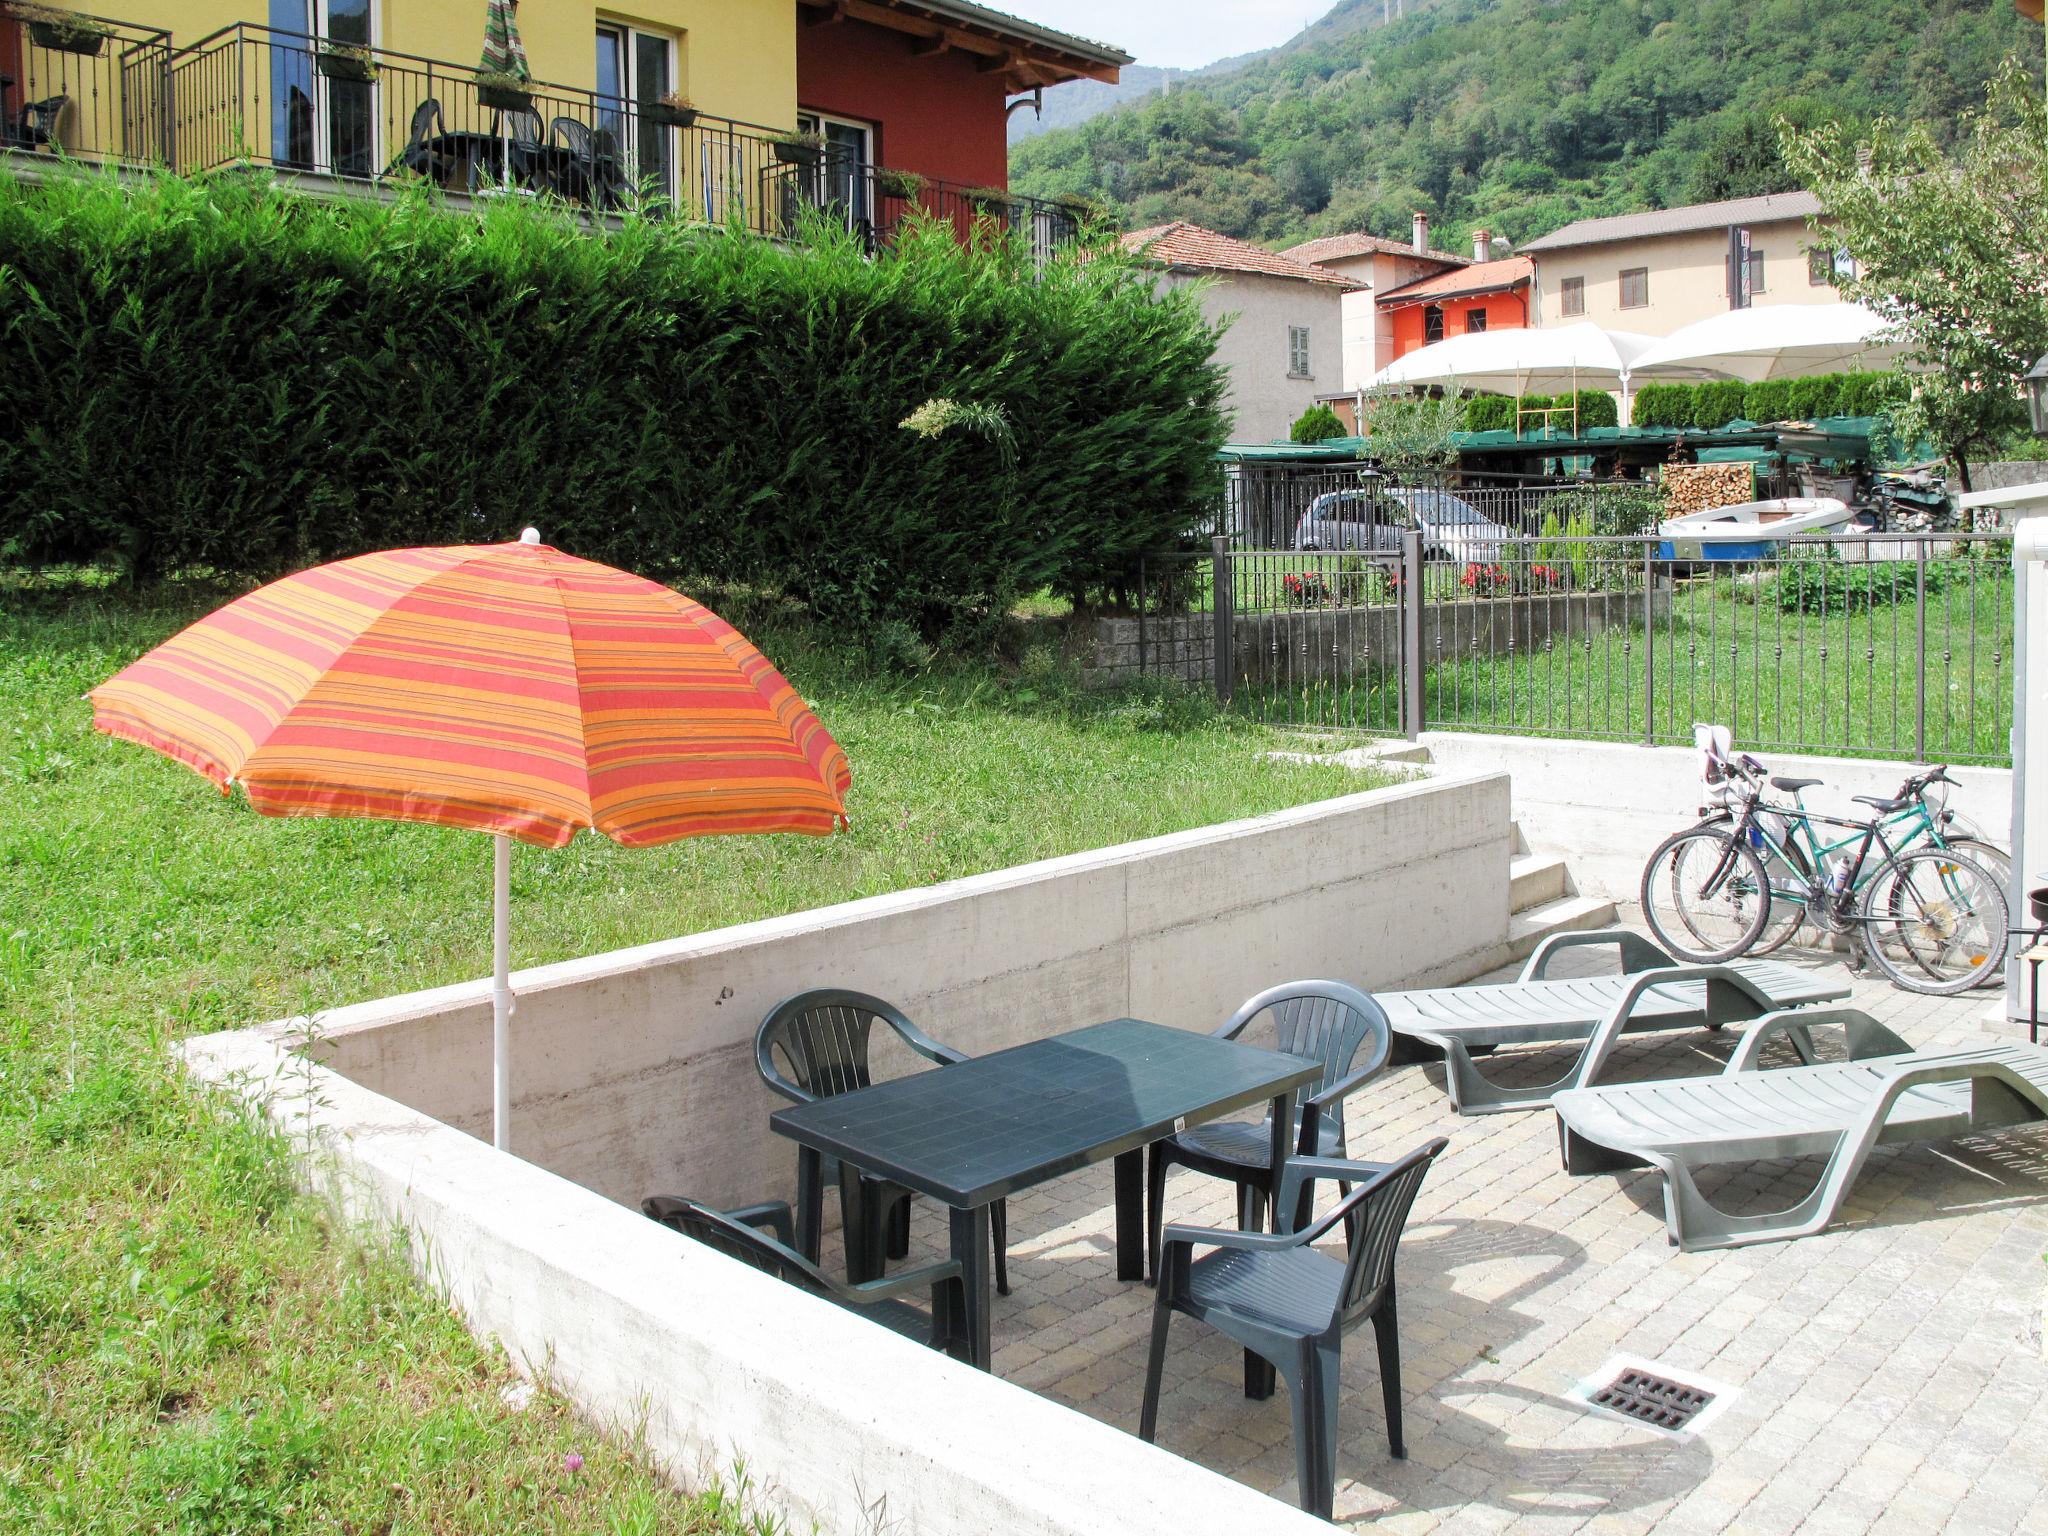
(1663, 405)
(1316, 424)
(1768, 401)
(1821, 584)
(1596, 408)
(220, 375)
(1718, 403)
(1490, 413)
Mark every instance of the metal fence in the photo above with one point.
(1890, 646)
(87, 88)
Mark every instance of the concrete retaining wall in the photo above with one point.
(840, 1424)
(1607, 804)
(633, 1072)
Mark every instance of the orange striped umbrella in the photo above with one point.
(507, 688)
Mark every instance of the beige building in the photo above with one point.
(1377, 266)
(1284, 345)
(1655, 272)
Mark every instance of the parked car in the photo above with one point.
(1372, 520)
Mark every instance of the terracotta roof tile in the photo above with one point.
(1341, 247)
(1486, 277)
(1192, 248)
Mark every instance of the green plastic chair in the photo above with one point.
(1290, 1305)
(736, 1235)
(1327, 1020)
(813, 1046)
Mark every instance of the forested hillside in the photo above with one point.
(1519, 115)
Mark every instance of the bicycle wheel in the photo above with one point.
(1704, 894)
(1996, 861)
(1790, 880)
(1935, 922)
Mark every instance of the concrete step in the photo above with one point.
(1564, 914)
(1535, 878)
(1517, 843)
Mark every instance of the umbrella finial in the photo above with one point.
(530, 536)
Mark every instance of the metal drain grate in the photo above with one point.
(1650, 1399)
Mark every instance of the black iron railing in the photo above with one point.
(85, 87)
(875, 202)
(252, 95)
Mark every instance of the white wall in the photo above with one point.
(1688, 277)
(633, 1072)
(1606, 805)
(1264, 398)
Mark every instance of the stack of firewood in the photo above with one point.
(1702, 487)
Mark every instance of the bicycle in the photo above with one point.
(1931, 919)
(1919, 817)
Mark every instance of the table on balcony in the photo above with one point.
(466, 156)
(971, 1134)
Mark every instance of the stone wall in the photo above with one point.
(1177, 646)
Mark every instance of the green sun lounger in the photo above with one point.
(1885, 1094)
(1653, 991)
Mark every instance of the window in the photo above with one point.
(1635, 288)
(1825, 268)
(1297, 352)
(1432, 322)
(1475, 320)
(638, 67)
(1572, 291)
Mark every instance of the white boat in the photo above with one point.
(1749, 529)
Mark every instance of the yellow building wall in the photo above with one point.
(735, 58)
(1688, 277)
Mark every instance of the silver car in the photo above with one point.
(1452, 528)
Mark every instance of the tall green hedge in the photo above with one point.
(222, 375)
(1718, 403)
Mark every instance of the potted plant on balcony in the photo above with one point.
(673, 110)
(991, 202)
(62, 31)
(905, 186)
(345, 61)
(798, 148)
(502, 92)
(1082, 210)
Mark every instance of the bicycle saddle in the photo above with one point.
(1793, 786)
(1881, 803)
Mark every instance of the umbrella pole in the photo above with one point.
(502, 1002)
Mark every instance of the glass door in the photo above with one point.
(842, 184)
(633, 69)
(320, 122)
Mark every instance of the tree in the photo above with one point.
(1412, 436)
(1743, 158)
(1316, 424)
(1954, 247)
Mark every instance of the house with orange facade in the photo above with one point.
(1486, 296)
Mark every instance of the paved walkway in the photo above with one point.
(1888, 1374)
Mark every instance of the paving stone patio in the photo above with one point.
(1889, 1373)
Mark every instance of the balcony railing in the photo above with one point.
(253, 95)
(85, 87)
(874, 202)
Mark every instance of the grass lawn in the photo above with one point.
(185, 1343)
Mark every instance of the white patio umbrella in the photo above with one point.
(1775, 341)
(1517, 362)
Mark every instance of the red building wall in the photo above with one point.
(938, 117)
(1504, 312)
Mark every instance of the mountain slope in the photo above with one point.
(1518, 115)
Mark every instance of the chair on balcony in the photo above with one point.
(735, 1234)
(596, 175)
(40, 124)
(422, 154)
(813, 1046)
(1326, 1020)
(1290, 1306)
